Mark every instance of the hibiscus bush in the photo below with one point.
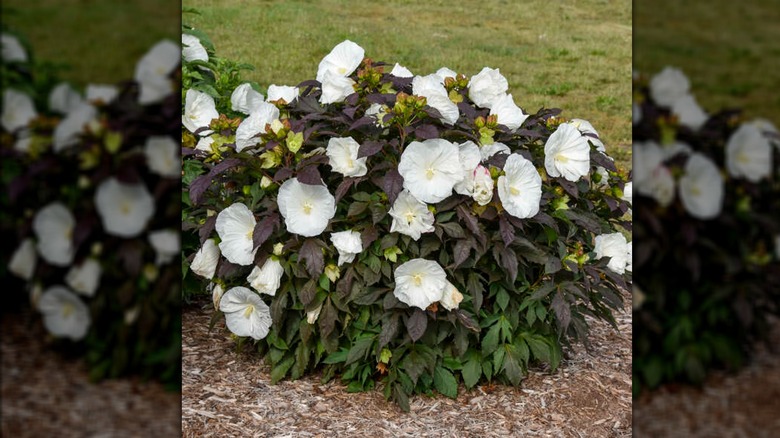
(91, 210)
(410, 231)
(708, 238)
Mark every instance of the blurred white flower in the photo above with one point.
(85, 277)
(341, 61)
(282, 92)
(166, 244)
(483, 185)
(430, 169)
(266, 280)
(18, 110)
(348, 244)
(701, 187)
(206, 259)
(420, 283)
(336, 88)
(630, 256)
(74, 124)
(613, 245)
(245, 313)
(567, 153)
(451, 297)
(689, 112)
(436, 96)
(63, 98)
(23, 142)
(509, 114)
(245, 99)
(12, 50)
(520, 189)
(486, 87)
(410, 216)
(647, 156)
(124, 209)
(636, 114)
(400, 71)
(23, 260)
(53, 226)
(235, 226)
(265, 113)
(192, 49)
(674, 148)
(101, 93)
(153, 70)
(470, 157)
(668, 86)
(306, 208)
(64, 314)
(199, 110)
(162, 156)
(749, 154)
(660, 186)
(489, 150)
(342, 153)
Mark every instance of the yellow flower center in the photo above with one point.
(250, 234)
(307, 206)
(125, 208)
(417, 279)
(514, 191)
(429, 173)
(67, 310)
(350, 163)
(342, 71)
(410, 216)
(743, 158)
(562, 158)
(248, 312)
(695, 191)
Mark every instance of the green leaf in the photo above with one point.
(280, 370)
(356, 208)
(360, 349)
(502, 298)
(490, 341)
(474, 285)
(472, 371)
(337, 357)
(414, 365)
(512, 369)
(445, 382)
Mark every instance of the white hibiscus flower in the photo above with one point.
(420, 283)
(509, 114)
(470, 157)
(567, 153)
(216, 294)
(12, 49)
(615, 246)
(486, 87)
(436, 96)
(53, 227)
(585, 127)
(689, 112)
(245, 99)
(166, 244)
(64, 314)
(668, 86)
(749, 154)
(199, 110)
(63, 98)
(489, 150)
(235, 226)
(18, 110)
(23, 260)
(483, 185)
(245, 313)
(445, 73)
(282, 92)
(400, 71)
(74, 124)
(85, 277)
(162, 156)
(451, 297)
(701, 187)
(255, 124)
(430, 169)
(306, 208)
(266, 280)
(153, 70)
(348, 244)
(101, 93)
(192, 49)
(124, 209)
(342, 61)
(342, 153)
(336, 88)
(206, 259)
(520, 189)
(410, 216)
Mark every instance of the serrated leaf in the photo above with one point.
(327, 319)
(356, 208)
(425, 132)
(309, 175)
(453, 229)
(445, 382)
(476, 288)
(490, 341)
(264, 229)
(512, 369)
(343, 188)
(307, 293)
(370, 147)
(311, 253)
(359, 349)
(414, 365)
(461, 251)
(471, 372)
(416, 324)
(392, 184)
(506, 229)
(389, 330)
(203, 182)
(562, 311)
(502, 299)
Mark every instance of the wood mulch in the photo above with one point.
(46, 394)
(225, 394)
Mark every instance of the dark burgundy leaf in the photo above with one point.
(392, 184)
(432, 112)
(389, 330)
(350, 112)
(509, 263)
(529, 133)
(308, 292)
(368, 236)
(600, 159)
(327, 319)
(416, 324)
(426, 132)
(201, 183)
(467, 110)
(497, 160)
(311, 253)
(562, 311)
(545, 219)
(585, 220)
(309, 104)
(381, 99)
(461, 251)
(343, 188)
(186, 152)
(507, 230)
(569, 186)
(369, 148)
(352, 99)
(467, 320)
(283, 174)
(309, 175)
(363, 121)
(264, 229)
(207, 228)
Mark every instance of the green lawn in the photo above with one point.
(574, 55)
(728, 49)
(100, 40)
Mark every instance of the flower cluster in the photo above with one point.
(708, 253)
(91, 178)
(371, 199)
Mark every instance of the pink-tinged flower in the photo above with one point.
(430, 169)
(567, 153)
(520, 189)
(482, 191)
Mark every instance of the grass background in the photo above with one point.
(574, 55)
(729, 50)
(99, 40)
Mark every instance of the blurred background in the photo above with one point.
(51, 387)
(729, 52)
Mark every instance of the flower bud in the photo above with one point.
(332, 272)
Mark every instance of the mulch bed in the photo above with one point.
(225, 394)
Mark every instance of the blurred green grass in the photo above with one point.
(100, 41)
(573, 55)
(729, 50)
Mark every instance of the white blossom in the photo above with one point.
(18, 110)
(235, 226)
(101, 93)
(245, 99)
(430, 169)
(153, 70)
(520, 189)
(255, 124)
(613, 245)
(567, 153)
(436, 96)
(400, 71)
(451, 297)
(192, 49)
(64, 314)
(336, 88)
(166, 244)
(12, 49)
(342, 153)
(342, 61)
(420, 283)
(124, 209)
(701, 187)
(410, 216)
(206, 259)
(24, 260)
(282, 92)
(162, 156)
(266, 280)
(749, 154)
(509, 114)
(486, 87)
(483, 186)
(307, 209)
(245, 313)
(199, 111)
(348, 244)
(63, 98)
(668, 86)
(53, 226)
(689, 112)
(85, 277)
(74, 124)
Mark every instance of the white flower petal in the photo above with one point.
(245, 99)
(431, 169)
(689, 112)
(614, 246)
(24, 260)
(520, 189)
(53, 226)
(342, 154)
(410, 216)
(451, 297)
(162, 156)
(282, 92)
(307, 209)
(245, 313)
(343, 60)
(749, 154)
(192, 49)
(69, 129)
(701, 187)
(266, 280)
(18, 110)
(486, 87)
(199, 110)
(64, 314)
(166, 243)
(153, 69)
(12, 49)
(85, 278)
(567, 153)
(235, 226)
(124, 209)
(668, 86)
(101, 93)
(400, 71)
(509, 114)
(206, 259)
(348, 244)
(335, 88)
(420, 283)
(265, 113)
(63, 98)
